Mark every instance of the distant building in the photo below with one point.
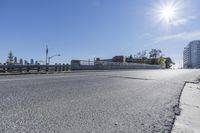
(106, 60)
(21, 61)
(15, 60)
(186, 57)
(26, 62)
(119, 59)
(32, 62)
(191, 55)
(36, 63)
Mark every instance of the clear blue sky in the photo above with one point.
(82, 29)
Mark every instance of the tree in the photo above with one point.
(10, 58)
(168, 62)
(161, 60)
(137, 56)
(141, 56)
(131, 57)
(155, 53)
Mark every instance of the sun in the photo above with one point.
(168, 13)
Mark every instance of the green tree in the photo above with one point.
(168, 62)
(155, 53)
(10, 58)
(161, 60)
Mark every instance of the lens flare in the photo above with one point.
(169, 12)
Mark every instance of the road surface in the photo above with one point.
(133, 101)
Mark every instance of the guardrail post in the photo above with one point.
(63, 66)
(67, 67)
(4, 69)
(20, 69)
(59, 66)
(55, 67)
(27, 68)
(47, 68)
(38, 68)
(7, 68)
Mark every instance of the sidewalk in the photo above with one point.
(189, 120)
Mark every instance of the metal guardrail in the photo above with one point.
(34, 68)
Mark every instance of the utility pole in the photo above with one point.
(47, 51)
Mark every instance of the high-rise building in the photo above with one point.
(36, 63)
(191, 55)
(15, 60)
(26, 62)
(32, 62)
(21, 61)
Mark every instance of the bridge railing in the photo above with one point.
(34, 68)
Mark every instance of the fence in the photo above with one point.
(34, 68)
(103, 65)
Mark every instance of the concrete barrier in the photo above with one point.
(76, 65)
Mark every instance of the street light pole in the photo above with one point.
(47, 51)
(49, 59)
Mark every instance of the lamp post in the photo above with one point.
(47, 52)
(49, 59)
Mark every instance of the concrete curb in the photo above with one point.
(189, 119)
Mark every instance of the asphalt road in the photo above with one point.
(137, 101)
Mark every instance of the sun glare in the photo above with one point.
(169, 12)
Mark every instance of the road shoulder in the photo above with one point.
(189, 120)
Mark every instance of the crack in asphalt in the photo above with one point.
(129, 78)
